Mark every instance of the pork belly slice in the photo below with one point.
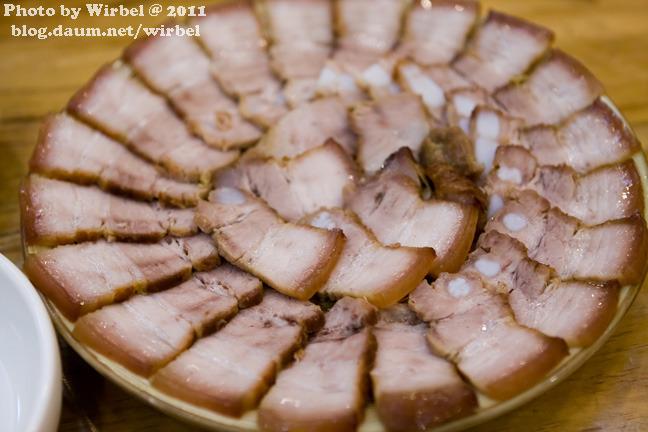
(606, 193)
(462, 103)
(431, 83)
(232, 36)
(413, 389)
(306, 127)
(56, 212)
(341, 78)
(122, 107)
(146, 332)
(69, 150)
(451, 145)
(82, 278)
(502, 47)
(392, 208)
(231, 370)
(435, 32)
(576, 311)
(475, 329)
(176, 67)
(553, 90)
(367, 269)
(586, 140)
(614, 250)
(450, 185)
(385, 125)
(325, 389)
(295, 187)
(293, 259)
(301, 33)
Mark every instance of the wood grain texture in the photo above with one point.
(609, 36)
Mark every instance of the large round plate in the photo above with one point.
(488, 408)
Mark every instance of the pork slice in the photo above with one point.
(614, 250)
(435, 32)
(294, 259)
(146, 332)
(277, 306)
(462, 102)
(606, 193)
(81, 278)
(298, 186)
(325, 389)
(298, 91)
(414, 389)
(553, 90)
(502, 47)
(198, 250)
(232, 36)
(306, 127)
(69, 150)
(588, 139)
(385, 125)
(431, 83)
(176, 67)
(122, 107)
(368, 26)
(55, 212)
(229, 371)
(499, 357)
(362, 270)
(403, 162)
(302, 36)
(392, 208)
(474, 328)
(576, 311)
(245, 288)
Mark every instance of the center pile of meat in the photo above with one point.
(318, 206)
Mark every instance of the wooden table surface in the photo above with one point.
(37, 76)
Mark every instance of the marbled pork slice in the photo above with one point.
(245, 288)
(435, 32)
(70, 150)
(81, 278)
(298, 186)
(56, 212)
(177, 67)
(587, 139)
(392, 208)
(613, 250)
(385, 125)
(501, 48)
(306, 127)
(476, 330)
(232, 35)
(576, 311)
(146, 332)
(366, 269)
(301, 34)
(199, 250)
(294, 259)
(431, 83)
(606, 193)
(122, 107)
(231, 370)
(414, 389)
(325, 389)
(553, 90)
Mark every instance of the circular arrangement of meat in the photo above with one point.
(318, 205)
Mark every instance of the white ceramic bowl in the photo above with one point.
(30, 363)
